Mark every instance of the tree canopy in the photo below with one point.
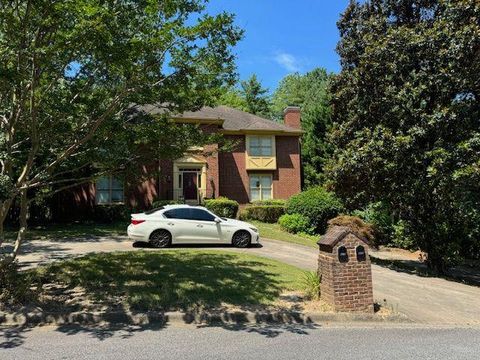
(311, 92)
(406, 107)
(256, 97)
(70, 72)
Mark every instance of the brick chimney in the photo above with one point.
(291, 116)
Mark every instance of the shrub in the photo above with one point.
(381, 219)
(311, 285)
(222, 206)
(160, 203)
(111, 213)
(401, 238)
(295, 223)
(317, 204)
(269, 202)
(264, 213)
(357, 225)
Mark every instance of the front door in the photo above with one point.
(190, 188)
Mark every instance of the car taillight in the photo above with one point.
(136, 222)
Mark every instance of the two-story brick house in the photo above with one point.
(264, 164)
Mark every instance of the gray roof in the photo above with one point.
(233, 119)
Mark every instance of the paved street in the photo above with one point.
(188, 342)
(424, 300)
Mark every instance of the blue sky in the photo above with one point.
(284, 36)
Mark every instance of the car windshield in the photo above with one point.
(149, 212)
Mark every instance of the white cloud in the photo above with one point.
(288, 61)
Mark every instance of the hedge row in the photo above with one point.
(264, 213)
(223, 207)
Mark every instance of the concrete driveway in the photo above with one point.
(424, 300)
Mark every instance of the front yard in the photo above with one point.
(166, 281)
(273, 231)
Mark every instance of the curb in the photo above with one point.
(33, 318)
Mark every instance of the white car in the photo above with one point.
(185, 224)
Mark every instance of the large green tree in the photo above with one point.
(407, 108)
(70, 72)
(311, 92)
(256, 97)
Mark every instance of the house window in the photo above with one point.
(260, 187)
(109, 190)
(260, 146)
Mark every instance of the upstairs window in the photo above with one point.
(260, 146)
(260, 187)
(109, 190)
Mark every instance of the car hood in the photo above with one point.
(237, 222)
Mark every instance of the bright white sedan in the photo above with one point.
(185, 224)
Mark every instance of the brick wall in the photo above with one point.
(233, 177)
(346, 286)
(287, 177)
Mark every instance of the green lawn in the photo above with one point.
(273, 231)
(175, 279)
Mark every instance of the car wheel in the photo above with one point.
(241, 239)
(160, 239)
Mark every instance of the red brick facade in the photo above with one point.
(222, 173)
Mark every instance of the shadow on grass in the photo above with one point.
(67, 232)
(146, 245)
(459, 274)
(174, 279)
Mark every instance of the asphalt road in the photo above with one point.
(296, 342)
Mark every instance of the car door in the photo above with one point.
(178, 225)
(204, 227)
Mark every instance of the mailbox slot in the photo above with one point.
(361, 254)
(342, 254)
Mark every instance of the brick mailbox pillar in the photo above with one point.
(345, 268)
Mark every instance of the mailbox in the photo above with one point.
(342, 254)
(345, 270)
(361, 255)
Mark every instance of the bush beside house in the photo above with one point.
(295, 223)
(264, 213)
(222, 206)
(316, 204)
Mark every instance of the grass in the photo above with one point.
(275, 232)
(64, 231)
(174, 279)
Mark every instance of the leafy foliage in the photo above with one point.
(280, 202)
(382, 221)
(312, 283)
(256, 97)
(311, 92)
(222, 206)
(406, 109)
(317, 204)
(109, 214)
(264, 213)
(71, 71)
(295, 223)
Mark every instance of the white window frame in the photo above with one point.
(260, 188)
(110, 190)
(261, 147)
